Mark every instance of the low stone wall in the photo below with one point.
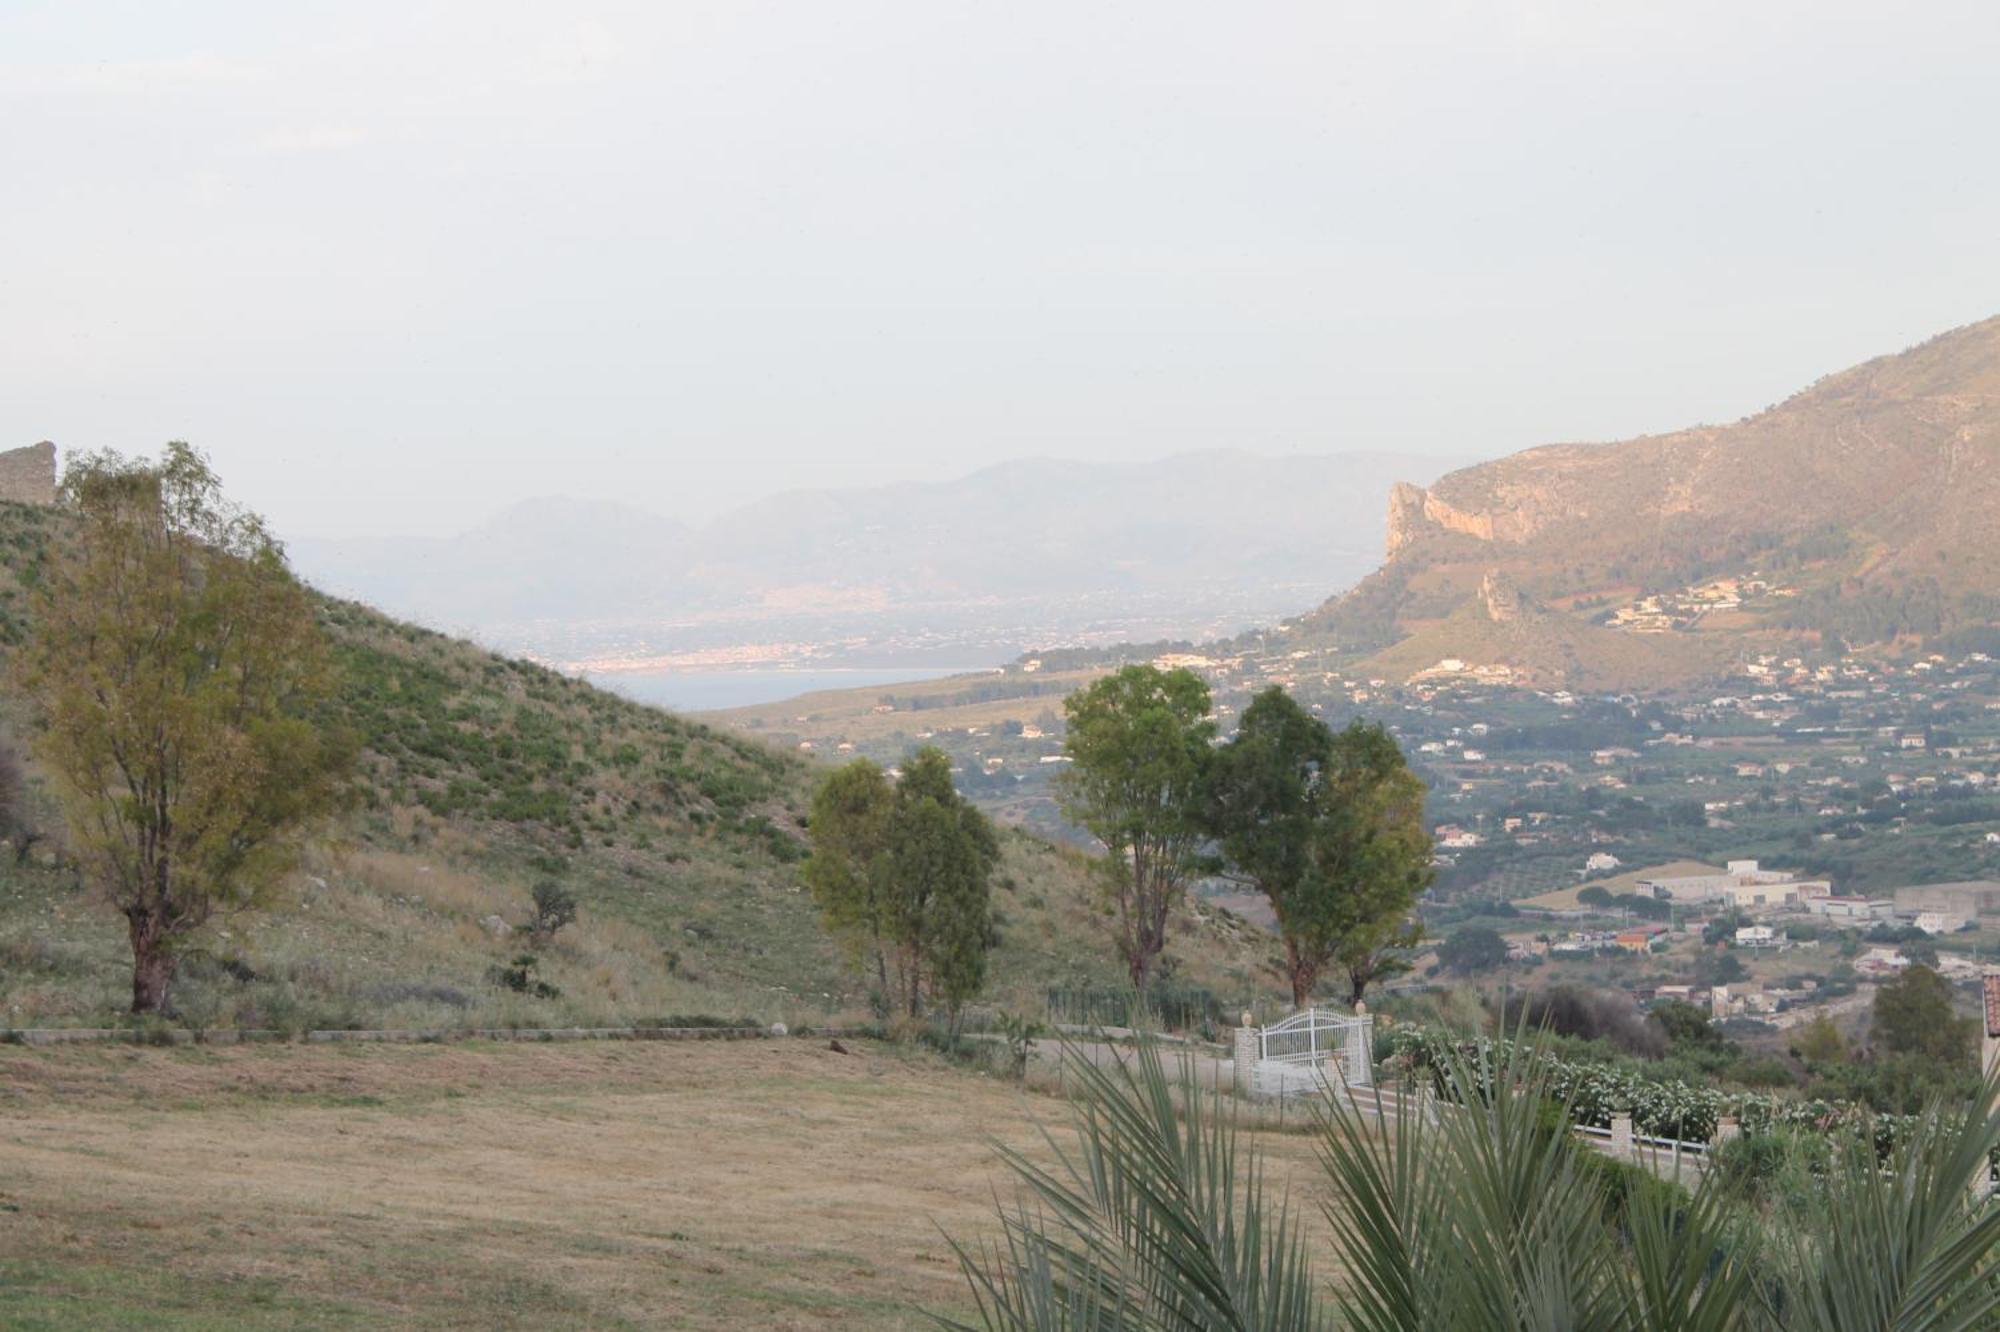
(418, 1036)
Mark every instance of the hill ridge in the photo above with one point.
(1873, 486)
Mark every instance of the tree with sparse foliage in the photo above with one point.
(1139, 743)
(1328, 827)
(180, 668)
(1377, 950)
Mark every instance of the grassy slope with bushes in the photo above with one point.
(479, 776)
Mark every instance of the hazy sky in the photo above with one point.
(396, 266)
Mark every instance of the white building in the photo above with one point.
(1884, 961)
(1851, 908)
(1937, 922)
(1744, 885)
(1758, 936)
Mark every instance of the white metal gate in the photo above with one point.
(1292, 1055)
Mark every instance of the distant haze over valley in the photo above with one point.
(970, 572)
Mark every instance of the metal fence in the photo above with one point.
(1185, 1008)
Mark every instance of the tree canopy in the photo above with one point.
(1914, 1016)
(1139, 741)
(901, 871)
(1471, 950)
(1329, 827)
(181, 670)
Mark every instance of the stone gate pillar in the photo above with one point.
(1246, 1057)
(1360, 1052)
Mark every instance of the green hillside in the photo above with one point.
(479, 776)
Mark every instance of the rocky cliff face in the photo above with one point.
(1865, 505)
(1414, 510)
(28, 476)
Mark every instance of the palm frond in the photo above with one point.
(1903, 1244)
(1478, 1217)
(1158, 1218)
(1483, 1213)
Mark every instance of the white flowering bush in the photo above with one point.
(1660, 1108)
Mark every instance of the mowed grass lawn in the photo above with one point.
(755, 1184)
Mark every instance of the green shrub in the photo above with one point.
(555, 907)
(519, 976)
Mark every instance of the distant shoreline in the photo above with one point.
(713, 689)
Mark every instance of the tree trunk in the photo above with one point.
(152, 963)
(1303, 973)
(1140, 965)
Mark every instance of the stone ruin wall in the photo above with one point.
(28, 476)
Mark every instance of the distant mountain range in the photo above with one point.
(1025, 553)
(1863, 510)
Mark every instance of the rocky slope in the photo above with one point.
(1860, 509)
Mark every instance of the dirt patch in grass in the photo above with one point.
(767, 1184)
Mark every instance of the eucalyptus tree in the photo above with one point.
(846, 871)
(901, 870)
(181, 671)
(1139, 743)
(941, 855)
(1329, 827)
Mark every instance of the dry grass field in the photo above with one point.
(758, 1184)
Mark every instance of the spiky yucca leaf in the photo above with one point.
(1158, 1218)
(1484, 1214)
(1479, 1214)
(1902, 1245)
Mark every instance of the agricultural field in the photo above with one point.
(771, 1183)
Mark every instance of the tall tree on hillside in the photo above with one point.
(847, 870)
(1329, 828)
(941, 856)
(902, 872)
(180, 667)
(1139, 742)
